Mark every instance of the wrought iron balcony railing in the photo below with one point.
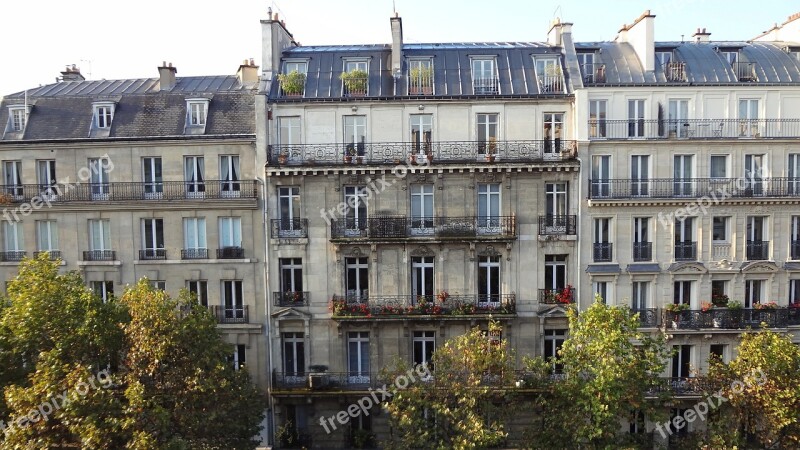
(133, 191)
(486, 86)
(683, 386)
(441, 152)
(725, 318)
(12, 256)
(718, 188)
(330, 381)
(53, 254)
(402, 227)
(757, 250)
(642, 251)
(425, 305)
(231, 314)
(686, 251)
(551, 84)
(603, 251)
(593, 74)
(99, 255)
(230, 253)
(420, 84)
(675, 72)
(194, 253)
(289, 228)
(290, 298)
(693, 128)
(563, 296)
(745, 71)
(153, 253)
(648, 317)
(558, 225)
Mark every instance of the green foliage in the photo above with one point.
(293, 82)
(355, 81)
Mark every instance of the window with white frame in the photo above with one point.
(488, 205)
(199, 288)
(422, 208)
(603, 248)
(795, 237)
(421, 133)
(159, 285)
(13, 237)
(748, 117)
(601, 175)
(664, 58)
(99, 235)
(718, 351)
(484, 79)
(291, 272)
(753, 292)
(424, 343)
(487, 126)
(601, 288)
(153, 238)
(555, 272)
(683, 175)
(679, 117)
(194, 238)
(682, 292)
(356, 279)
(754, 174)
(636, 118)
(794, 292)
(295, 66)
(12, 175)
(597, 118)
(719, 229)
(420, 76)
(358, 361)
(793, 171)
(422, 278)
(553, 341)
(16, 118)
(294, 354)
(99, 178)
(47, 235)
(103, 115)
(196, 112)
(489, 282)
(230, 232)
(355, 197)
(548, 73)
(232, 300)
(229, 175)
(681, 361)
(719, 166)
(355, 135)
(642, 247)
(639, 295)
(288, 134)
(194, 174)
(152, 176)
(289, 208)
(46, 172)
(640, 175)
(103, 289)
(552, 132)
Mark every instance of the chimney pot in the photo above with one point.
(166, 76)
(252, 62)
(275, 17)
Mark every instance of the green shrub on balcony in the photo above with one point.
(292, 83)
(355, 81)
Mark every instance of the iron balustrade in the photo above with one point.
(603, 251)
(686, 251)
(724, 318)
(231, 314)
(326, 380)
(551, 84)
(718, 189)
(403, 227)
(290, 298)
(558, 225)
(648, 317)
(421, 84)
(230, 253)
(675, 72)
(288, 228)
(601, 128)
(757, 250)
(745, 71)
(194, 253)
(642, 251)
(593, 73)
(563, 296)
(12, 256)
(442, 152)
(153, 253)
(52, 254)
(133, 191)
(99, 255)
(682, 386)
(486, 86)
(427, 305)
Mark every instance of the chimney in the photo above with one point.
(641, 36)
(397, 43)
(248, 72)
(166, 75)
(72, 74)
(274, 40)
(701, 35)
(554, 35)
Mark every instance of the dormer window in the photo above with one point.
(293, 79)
(355, 77)
(420, 76)
(664, 58)
(103, 115)
(550, 76)
(17, 116)
(197, 111)
(484, 76)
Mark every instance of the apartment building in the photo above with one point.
(156, 178)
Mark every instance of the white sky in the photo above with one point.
(112, 40)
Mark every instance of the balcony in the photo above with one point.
(355, 83)
(648, 317)
(53, 254)
(675, 72)
(683, 386)
(443, 152)
(593, 74)
(795, 250)
(563, 296)
(694, 128)
(420, 81)
(757, 250)
(194, 253)
(602, 251)
(288, 228)
(99, 255)
(230, 315)
(745, 71)
(402, 227)
(734, 319)
(691, 188)
(686, 251)
(12, 256)
(153, 253)
(407, 306)
(290, 298)
(135, 191)
(327, 381)
(558, 225)
(230, 253)
(642, 251)
(486, 86)
(552, 83)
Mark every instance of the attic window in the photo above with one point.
(295, 66)
(16, 118)
(196, 112)
(103, 115)
(664, 57)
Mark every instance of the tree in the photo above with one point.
(762, 388)
(462, 406)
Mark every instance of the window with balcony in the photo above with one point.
(355, 78)
(793, 171)
(487, 125)
(640, 175)
(754, 292)
(555, 272)
(239, 357)
(757, 240)
(355, 135)
(152, 176)
(794, 292)
(642, 247)
(682, 361)
(683, 175)
(103, 115)
(597, 118)
(47, 237)
(232, 299)
(13, 240)
(289, 139)
(484, 76)
(685, 245)
(17, 117)
(194, 174)
(719, 166)
(719, 352)
(639, 295)
(552, 133)
(229, 175)
(602, 243)
(99, 241)
(553, 341)
(104, 290)
(194, 238)
(794, 244)
(488, 208)
(549, 75)
(720, 237)
(422, 209)
(153, 239)
(636, 422)
(196, 112)
(754, 174)
(421, 134)
(355, 197)
(99, 178)
(422, 278)
(601, 176)
(635, 118)
(289, 211)
(358, 363)
(601, 288)
(489, 280)
(420, 76)
(12, 176)
(591, 71)
(748, 118)
(356, 279)
(294, 355)
(664, 57)
(719, 292)
(291, 281)
(557, 219)
(198, 288)
(230, 238)
(48, 183)
(424, 343)
(682, 292)
(679, 118)
(295, 66)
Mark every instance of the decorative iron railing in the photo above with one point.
(603, 251)
(426, 305)
(12, 256)
(593, 73)
(153, 253)
(648, 317)
(563, 296)
(99, 255)
(757, 250)
(558, 225)
(690, 188)
(725, 318)
(231, 314)
(686, 251)
(290, 298)
(288, 228)
(693, 128)
(194, 253)
(230, 253)
(53, 254)
(402, 227)
(642, 251)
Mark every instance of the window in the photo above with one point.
(358, 357)
(291, 270)
(230, 232)
(12, 174)
(640, 175)
(679, 118)
(639, 297)
(484, 80)
(682, 293)
(289, 211)
(99, 235)
(731, 57)
(421, 132)
(232, 305)
(355, 134)
(635, 118)
(47, 235)
(194, 238)
(13, 234)
(636, 422)
(99, 178)
(196, 111)
(720, 230)
(793, 172)
(350, 66)
(719, 166)
(104, 290)
(153, 239)
(488, 207)
(795, 237)
(16, 118)
(486, 125)
(194, 174)
(230, 175)
(238, 359)
(681, 361)
(748, 118)
(717, 351)
(103, 115)
(422, 209)
(294, 355)
(159, 285)
(200, 290)
(602, 244)
(685, 247)
(555, 272)
(420, 76)
(356, 279)
(355, 197)
(753, 292)
(553, 340)
(152, 176)
(794, 292)
(289, 135)
(556, 203)
(548, 72)
(664, 58)
(489, 280)
(357, 83)
(597, 118)
(718, 287)
(553, 124)
(295, 66)
(601, 288)
(422, 278)
(601, 176)
(46, 171)
(757, 241)
(424, 344)
(589, 70)
(683, 170)
(754, 172)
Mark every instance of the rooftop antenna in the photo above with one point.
(394, 8)
(89, 72)
(557, 10)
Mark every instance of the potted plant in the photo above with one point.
(349, 153)
(292, 83)
(412, 158)
(6, 198)
(719, 300)
(675, 309)
(565, 295)
(491, 149)
(355, 82)
(442, 296)
(283, 157)
(766, 305)
(421, 80)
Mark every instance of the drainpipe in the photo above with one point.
(579, 225)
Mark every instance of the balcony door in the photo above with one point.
(232, 299)
(422, 209)
(635, 118)
(421, 134)
(556, 208)
(489, 280)
(555, 272)
(602, 245)
(421, 279)
(489, 208)
(754, 174)
(358, 357)
(152, 176)
(486, 125)
(757, 241)
(355, 135)
(194, 174)
(552, 134)
(683, 173)
(229, 175)
(681, 361)
(748, 118)
(294, 357)
(642, 248)
(291, 272)
(639, 297)
(46, 170)
(682, 293)
(153, 237)
(355, 197)
(289, 211)
(601, 176)
(753, 292)
(99, 178)
(678, 118)
(640, 175)
(793, 171)
(12, 173)
(356, 279)
(685, 248)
